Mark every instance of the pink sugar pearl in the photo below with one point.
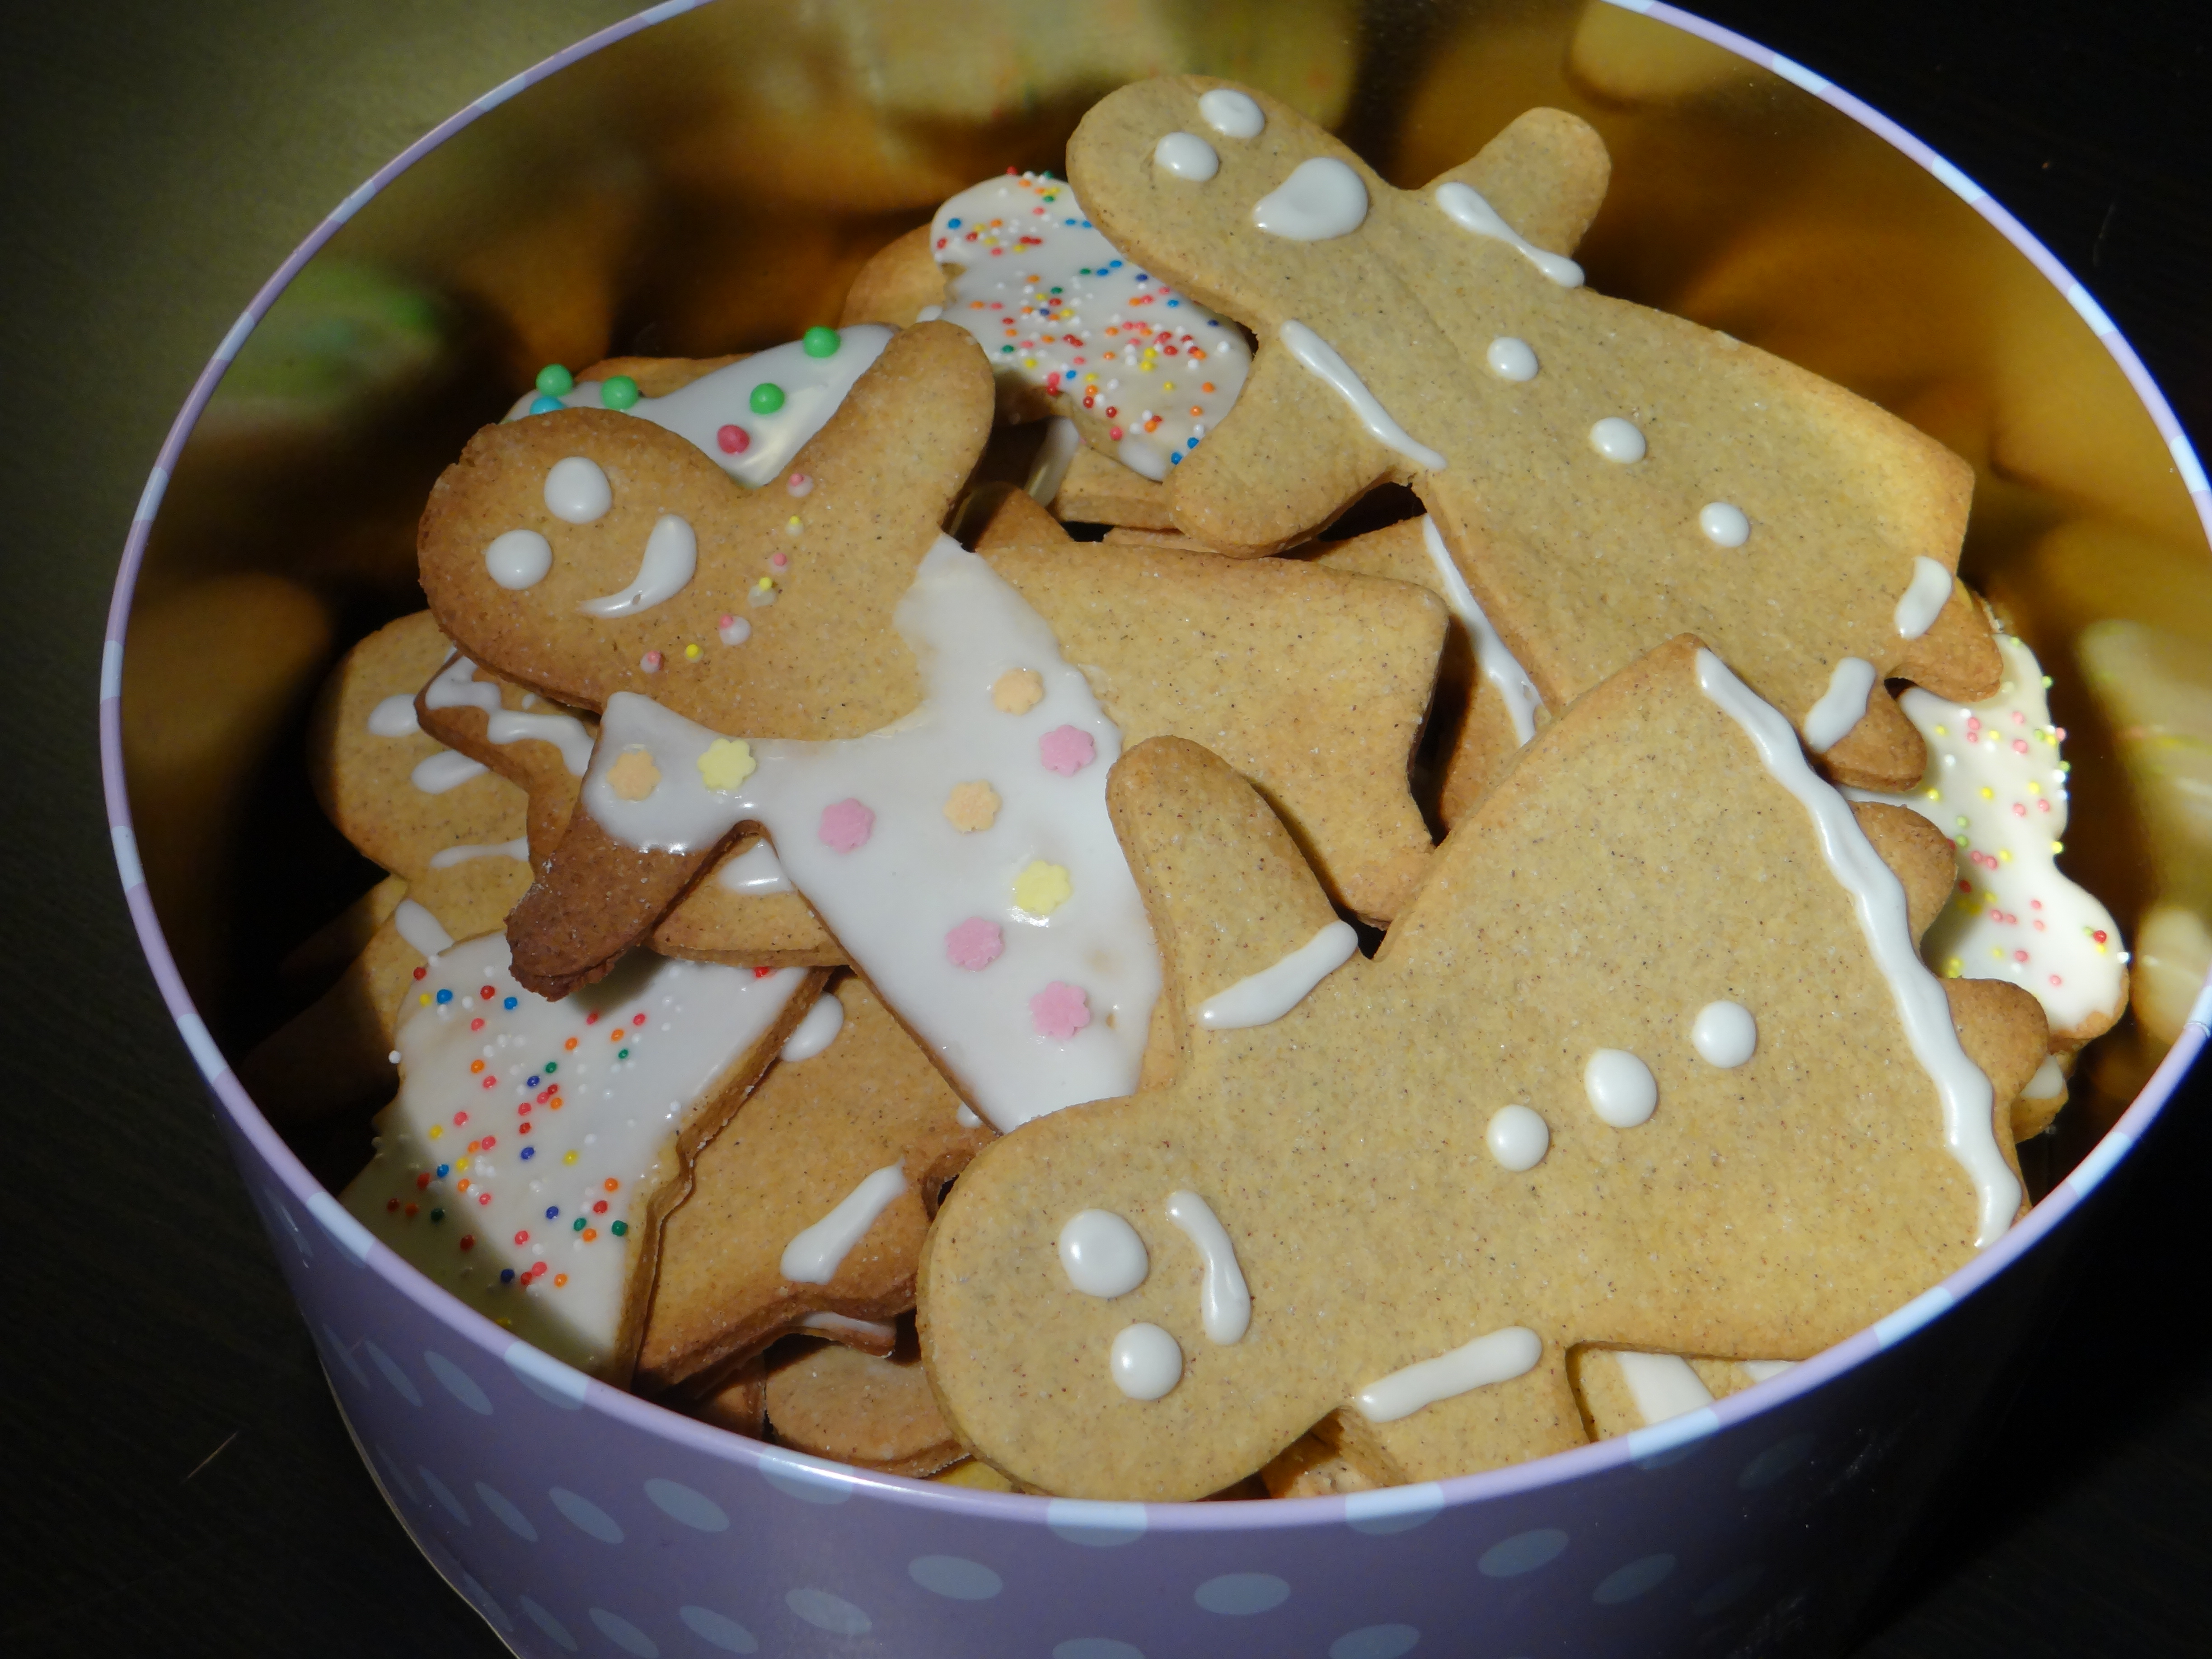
(1066, 749)
(846, 826)
(1059, 1011)
(974, 945)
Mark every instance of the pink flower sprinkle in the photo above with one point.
(1059, 1011)
(1066, 749)
(974, 945)
(846, 826)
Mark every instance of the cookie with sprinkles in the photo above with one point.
(534, 1148)
(1546, 1075)
(1605, 477)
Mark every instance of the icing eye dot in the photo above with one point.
(618, 392)
(974, 945)
(1186, 156)
(1724, 1034)
(767, 398)
(820, 341)
(1617, 440)
(577, 491)
(1066, 749)
(1041, 888)
(1018, 691)
(1724, 524)
(555, 381)
(1517, 1138)
(517, 560)
(971, 807)
(1232, 113)
(1511, 359)
(1622, 1090)
(1060, 1011)
(1102, 1254)
(634, 776)
(846, 826)
(733, 439)
(1145, 1362)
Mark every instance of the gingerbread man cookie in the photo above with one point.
(1605, 476)
(1407, 1187)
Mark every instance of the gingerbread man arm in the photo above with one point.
(1546, 175)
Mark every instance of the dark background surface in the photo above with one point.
(177, 1480)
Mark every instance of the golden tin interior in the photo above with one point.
(711, 184)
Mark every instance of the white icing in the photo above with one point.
(1323, 199)
(1622, 1090)
(1724, 524)
(1662, 1385)
(1517, 1138)
(1058, 309)
(1878, 899)
(1617, 440)
(1923, 599)
(892, 901)
(1061, 440)
(671, 559)
(1263, 998)
(519, 558)
(875, 1330)
(423, 932)
(1145, 1362)
(498, 1153)
(1186, 156)
(1102, 1254)
(1995, 786)
(753, 870)
(1499, 666)
(456, 686)
(812, 389)
(564, 732)
(1468, 209)
(394, 717)
(814, 1256)
(1764, 1371)
(1842, 705)
(2048, 1083)
(1511, 359)
(1724, 1034)
(964, 1115)
(1499, 1357)
(733, 630)
(517, 848)
(816, 1031)
(1232, 113)
(1225, 1302)
(577, 491)
(447, 769)
(1321, 358)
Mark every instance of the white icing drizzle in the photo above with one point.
(510, 1138)
(753, 870)
(577, 491)
(816, 1031)
(1511, 359)
(700, 413)
(1995, 786)
(1617, 440)
(1057, 308)
(1102, 1254)
(1499, 1357)
(517, 848)
(1878, 899)
(1062, 438)
(1923, 599)
(1321, 199)
(1517, 1138)
(1662, 1385)
(814, 1256)
(1724, 524)
(1498, 666)
(1186, 156)
(394, 717)
(564, 732)
(447, 769)
(1622, 1090)
(1842, 705)
(1724, 1034)
(518, 559)
(671, 559)
(2048, 1083)
(1232, 113)
(1224, 1301)
(456, 686)
(422, 931)
(1146, 1362)
(1468, 209)
(876, 1330)
(1321, 357)
(892, 900)
(1263, 998)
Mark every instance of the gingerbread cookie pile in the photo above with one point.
(1025, 961)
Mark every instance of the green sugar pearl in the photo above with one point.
(619, 1229)
(820, 341)
(578, 1225)
(618, 392)
(555, 381)
(766, 399)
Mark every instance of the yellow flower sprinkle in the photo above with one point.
(1043, 888)
(728, 764)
